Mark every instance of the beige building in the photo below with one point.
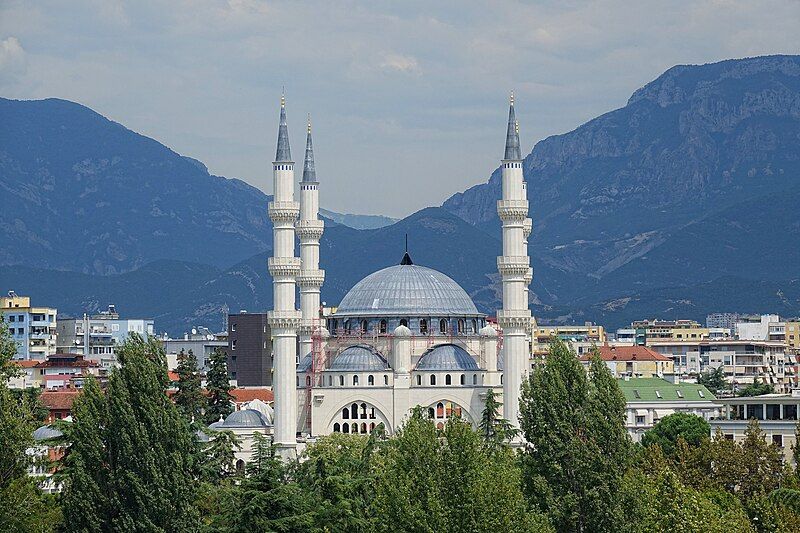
(581, 338)
(777, 414)
(32, 328)
(638, 361)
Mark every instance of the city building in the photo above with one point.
(249, 350)
(763, 328)
(638, 361)
(777, 414)
(97, 336)
(793, 335)
(403, 336)
(580, 338)
(202, 343)
(32, 328)
(65, 371)
(648, 400)
(58, 403)
(743, 361)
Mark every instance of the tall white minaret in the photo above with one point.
(284, 320)
(513, 266)
(309, 230)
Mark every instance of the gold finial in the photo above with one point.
(309, 123)
(283, 97)
(516, 125)
(511, 100)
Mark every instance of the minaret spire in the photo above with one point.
(512, 135)
(309, 174)
(283, 154)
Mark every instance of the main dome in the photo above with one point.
(406, 290)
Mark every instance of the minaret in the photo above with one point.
(309, 230)
(513, 266)
(284, 320)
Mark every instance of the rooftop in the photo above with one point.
(627, 353)
(661, 390)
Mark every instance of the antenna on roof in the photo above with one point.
(406, 258)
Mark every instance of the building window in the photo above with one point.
(345, 428)
(433, 379)
(385, 379)
(423, 326)
(639, 420)
(461, 379)
(355, 380)
(341, 381)
(364, 325)
(371, 380)
(443, 326)
(777, 440)
(404, 322)
(233, 326)
(383, 326)
(419, 380)
(363, 410)
(345, 413)
(337, 428)
(448, 380)
(460, 325)
(474, 379)
(354, 411)
(308, 381)
(233, 344)
(474, 326)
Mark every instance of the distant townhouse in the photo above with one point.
(98, 336)
(581, 338)
(648, 400)
(32, 328)
(777, 414)
(201, 341)
(793, 335)
(742, 361)
(249, 350)
(637, 361)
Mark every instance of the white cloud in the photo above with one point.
(11, 53)
(400, 63)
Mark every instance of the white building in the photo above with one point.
(404, 336)
(768, 328)
(202, 343)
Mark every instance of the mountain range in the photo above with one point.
(682, 202)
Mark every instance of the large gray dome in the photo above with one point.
(246, 418)
(359, 358)
(446, 357)
(406, 290)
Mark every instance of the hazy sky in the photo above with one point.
(408, 98)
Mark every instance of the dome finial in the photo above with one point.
(511, 99)
(406, 258)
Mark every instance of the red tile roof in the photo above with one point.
(59, 400)
(26, 364)
(252, 393)
(173, 376)
(628, 353)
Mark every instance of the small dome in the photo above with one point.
(406, 290)
(447, 357)
(46, 433)
(246, 418)
(359, 358)
(402, 331)
(305, 363)
(488, 331)
(217, 424)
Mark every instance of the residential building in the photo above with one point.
(66, 371)
(777, 414)
(743, 361)
(793, 335)
(648, 400)
(32, 328)
(764, 328)
(201, 341)
(581, 338)
(638, 361)
(59, 403)
(654, 330)
(98, 336)
(249, 349)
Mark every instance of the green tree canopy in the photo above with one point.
(691, 428)
(714, 380)
(189, 396)
(219, 388)
(757, 388)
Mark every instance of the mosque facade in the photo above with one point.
(403, 336)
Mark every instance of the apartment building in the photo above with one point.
(249, 350)
(33, 329)
(200, 340)
(581, 338)
(638, 361)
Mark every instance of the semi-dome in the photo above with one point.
(359, 358)
(406, 290)
(246, 418)
(46, 433)
(446, 357)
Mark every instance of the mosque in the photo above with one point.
(404, 336)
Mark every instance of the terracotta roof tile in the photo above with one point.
(61, 400)
(628, 353)
(249, 394)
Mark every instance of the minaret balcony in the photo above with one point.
(311, 278)
(513, 265)
(512, 210)
(286, 320)
(517, 318)
(527, 227)
(284, 211)
(284, 266)
(309, 229)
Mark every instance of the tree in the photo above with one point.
(762, 464)
(757, 388)
(219, 388)
(494, 429)
(189, 395)
(218, 460)
(691, 428)
(129, 464)
(577, 447)
(714, 380)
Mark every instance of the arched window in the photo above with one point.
(337, 428)
(341, 381)
(423, 326)
(462, 379)
(372, 413)
(443, 326)
(440, 425)
(240, 467)
(383, 326)
(363, 427)
(345, 413)
(385, 379)
(347, 326)
(354, 428)
(474, 379)
(431, 413)
(372, 427)
(354, 411)
(355, 380)
(364, 326)
(461, 325)
(501, 379)
(329, 380)
(308, 381)
(363, 410)
(297, 378)
(474, 326)
(433, 379)
(439, 410)
(419, 379)
(371, 380)
(448, 380)
(345, 428)
(404, 322)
